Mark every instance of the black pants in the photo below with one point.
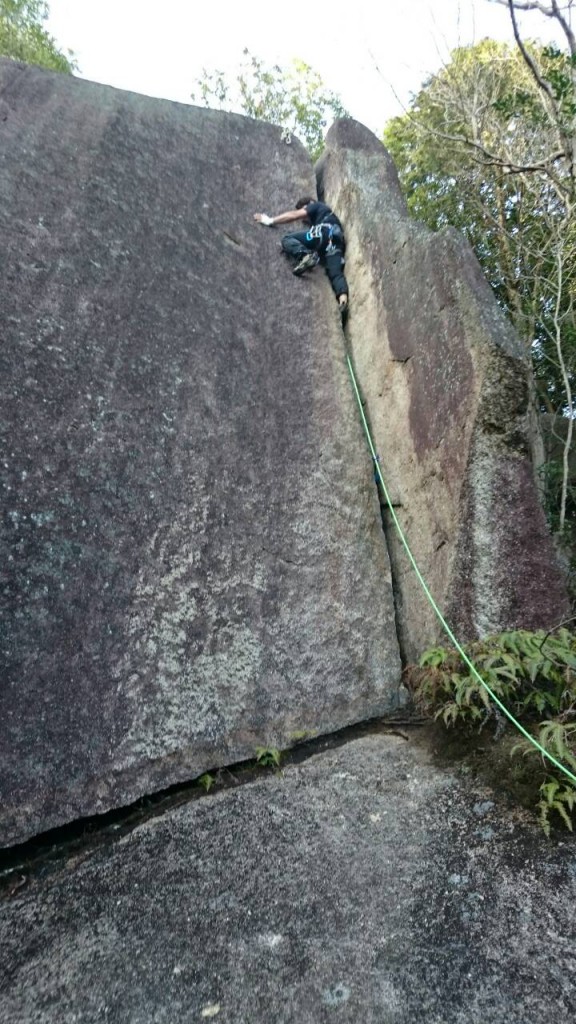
(298, 244)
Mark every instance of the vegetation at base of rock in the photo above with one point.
(23, 37)
(557, 793)
(294, 98)
(534, 675)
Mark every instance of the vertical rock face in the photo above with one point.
(192, 554)
(446, 385)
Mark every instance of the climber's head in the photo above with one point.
(301, 203)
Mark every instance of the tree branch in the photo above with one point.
(553, 11)
(540, 82)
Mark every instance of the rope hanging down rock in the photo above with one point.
(379, 479)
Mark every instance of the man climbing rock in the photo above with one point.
(323, 242)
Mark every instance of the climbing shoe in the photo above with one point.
(311, 259)
(343, 307)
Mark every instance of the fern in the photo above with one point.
(268, 757)
(559, 798)
(534, 675)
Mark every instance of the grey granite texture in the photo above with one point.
(446, 384)
(192, 555)
(366, 884)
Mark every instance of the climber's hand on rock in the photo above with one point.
(263, 218)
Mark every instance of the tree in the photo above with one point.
(22, 36)
(487, 146)
(294, 98)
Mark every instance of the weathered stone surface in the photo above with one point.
(446, 384)
(365, 885)
(192, 556)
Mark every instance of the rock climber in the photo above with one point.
(323, 242)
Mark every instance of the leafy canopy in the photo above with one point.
(487, 147)
(295, 98)
(478, 150)
(23, 37)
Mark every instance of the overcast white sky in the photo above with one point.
(159, 47)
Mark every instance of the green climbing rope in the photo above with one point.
(437, 611)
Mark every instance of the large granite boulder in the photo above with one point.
(445, 380)
(365, 885)
(192, 555)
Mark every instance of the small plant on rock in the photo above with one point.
(268, 757)
(207, 781)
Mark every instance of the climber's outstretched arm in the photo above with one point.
(281, 218)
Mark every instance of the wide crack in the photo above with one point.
(389, 536)
(50, 851)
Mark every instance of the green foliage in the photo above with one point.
(534, 675)
(557, 792)
(486, 149)
(268, 757)
(22, 36)
(207, 781)
(559, 71)
(294, 98)
(556, 797)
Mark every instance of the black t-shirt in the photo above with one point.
(320, 213)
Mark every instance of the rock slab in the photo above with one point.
(192, 557)
(363, 885)
(446, 382)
